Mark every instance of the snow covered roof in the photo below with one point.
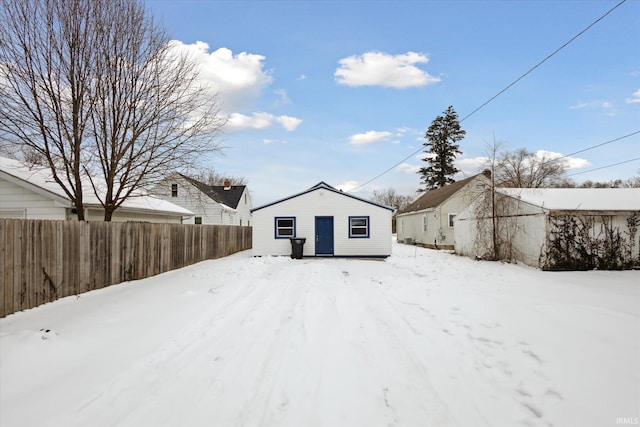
(589, 199)
(40, 180)
(323, 186)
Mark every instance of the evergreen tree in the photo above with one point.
(442, 138)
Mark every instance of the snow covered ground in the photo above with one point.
(424, 338)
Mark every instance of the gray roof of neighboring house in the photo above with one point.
(217, 193)
(322, 185)
(433, 198)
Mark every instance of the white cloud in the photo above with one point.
(283, 98)
(635, 98)
(273, 141)
(258, 121)
(382, 69)
(369, 137)
(302, 77)
(239, 78)
(289, 123)
(472, 165)
(408, 168)
(592, 104)
(567, 162)
(606, 107)
(348, 186)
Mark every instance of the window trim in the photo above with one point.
(196, 219)
(276, 228)
(449, 218)
(360, 236)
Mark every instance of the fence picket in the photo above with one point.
(41, 260)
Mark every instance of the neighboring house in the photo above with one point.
(31, 193)
(429, 221)
(555, 228)
(334, 224)
(212, 204)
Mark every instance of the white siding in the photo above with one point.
(14, 198)
(243, 215)
(438, 230)
(524, 231)
(211, 212)
(525, 228)
(19, 202)
(189, 197)
(322, 202)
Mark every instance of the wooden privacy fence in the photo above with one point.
(41, 260)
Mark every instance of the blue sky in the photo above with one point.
(340, 91)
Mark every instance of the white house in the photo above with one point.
(226, 204)
(332, 222)
(429, 220)
(31, 193)
(555, 228)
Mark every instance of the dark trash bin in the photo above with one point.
(297, 245)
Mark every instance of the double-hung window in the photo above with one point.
(358, 227)
(285, 227)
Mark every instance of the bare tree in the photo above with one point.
(391, 198)
(96, 89)
(634, 181)
(492, 215)
(46, 81)
(212, 177)
(523, 169)
(151, 115)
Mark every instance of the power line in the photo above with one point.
(604, 167)
(543, 61)
(502, 91)
(596, 146)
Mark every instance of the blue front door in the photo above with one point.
(324, 235)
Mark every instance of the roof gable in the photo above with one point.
(322, 186)
(434, 198)
(217, 193)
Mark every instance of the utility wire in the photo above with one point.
(543, 61)
(593, 146)
(501, 92)
(604, 167)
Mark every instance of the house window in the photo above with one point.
(285, 227)
(174, 190)
(358, 226)
(424, 223)
(240, 222)
(198, 220)
(451, 218)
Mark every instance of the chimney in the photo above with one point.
(227, 184)
(487, 173)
